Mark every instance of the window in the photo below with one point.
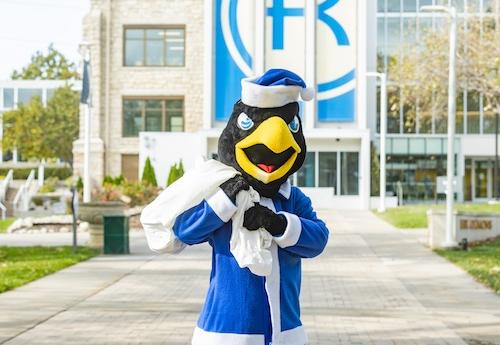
(152, 115)
(8, 98)
(349, 173)
(25, 95)
(306, 174)
(473, 113)
(154, 47)
(393, 5)
(328, 169)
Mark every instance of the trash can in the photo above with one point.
(116, 234)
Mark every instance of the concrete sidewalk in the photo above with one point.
(373, 285)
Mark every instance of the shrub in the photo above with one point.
(175, 173)
(115, 181)
(61, 173)
(49, 185)
(148, 174)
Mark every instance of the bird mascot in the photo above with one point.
(258, 225)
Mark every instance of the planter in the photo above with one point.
(93, 213)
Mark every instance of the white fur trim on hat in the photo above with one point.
(273, 96)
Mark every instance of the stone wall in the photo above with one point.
(184, 81)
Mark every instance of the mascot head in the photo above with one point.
(263, 138)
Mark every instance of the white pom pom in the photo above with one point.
(307, 93)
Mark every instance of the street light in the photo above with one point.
(383, 132)
(452, 13)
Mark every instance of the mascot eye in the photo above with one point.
(244, 122)
(294, 125)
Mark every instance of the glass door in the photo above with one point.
(483, 179)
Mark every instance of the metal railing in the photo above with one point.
(4, 185)
(23, 197)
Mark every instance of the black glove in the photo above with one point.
(259, 216)
(233, 186)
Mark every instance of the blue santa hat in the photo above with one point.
(275, 88)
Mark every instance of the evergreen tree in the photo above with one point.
(148, 174)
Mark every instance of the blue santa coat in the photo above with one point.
(241, 307)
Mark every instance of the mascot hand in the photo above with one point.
(259, 216)
(233, 186)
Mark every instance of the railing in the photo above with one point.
(4, 210)
(23, 197)
(4, 186)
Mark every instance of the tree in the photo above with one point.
(148, 174)
(175, 173)
(61, 122)
(421, 71)
(44, 132)
(53, 65)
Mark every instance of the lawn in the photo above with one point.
(415, 216)
(21, 265)
(481, 261)
(5, 223)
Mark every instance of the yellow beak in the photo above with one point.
(276, 136)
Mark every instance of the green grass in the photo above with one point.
(4, 224)
(415, 216)
(21, 265)
(481, 261)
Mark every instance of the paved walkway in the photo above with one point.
(373, 285)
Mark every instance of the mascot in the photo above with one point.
(258, 225)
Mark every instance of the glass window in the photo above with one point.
(152, 115)
(409, 5)
(393, 105)
(134, 51)
(393, 5)
(425, 3)
(8, 98)
(458, 4)
(328, 169)
(489, 125)
(489, 6)
(473, 113)
(175, 117)
(381, 51)
(25, 95)
(306, 174)
(154, 47)
(349, 173)
(393, 36)
(50, 93)
(132, 117)
(381, 5)
(459, 125)
(175, 47)
(409, 116)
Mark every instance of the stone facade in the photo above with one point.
(111, 80)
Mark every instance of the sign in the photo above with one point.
(476, 224)
(285, 48)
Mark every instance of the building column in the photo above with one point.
(208, 66)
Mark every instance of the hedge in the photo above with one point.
(61, 173)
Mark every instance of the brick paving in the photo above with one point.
(373, 285)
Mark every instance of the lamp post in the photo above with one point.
(84, 49)
(383, 133)
(452, 14)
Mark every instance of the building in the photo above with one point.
(15, 92)
(166, 73)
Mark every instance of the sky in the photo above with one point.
(30, 25)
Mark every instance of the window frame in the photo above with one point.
(164, 113)
(144, 49)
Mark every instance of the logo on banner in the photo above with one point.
(339, 80)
